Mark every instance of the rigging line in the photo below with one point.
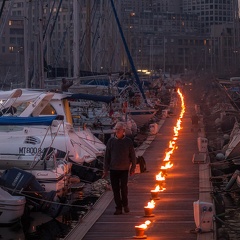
(48, 22)
(128, 52)
(87, 139)
(95, 36)
(22, 193)
(63, 42)
(2, 7)
(56, 17)
(6, 15)
(53, 26)
(84, 147)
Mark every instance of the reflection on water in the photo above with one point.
(12, 232)
(49, 231)
(39, 226)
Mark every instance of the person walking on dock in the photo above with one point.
(120, 160)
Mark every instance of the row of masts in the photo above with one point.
(90, 37)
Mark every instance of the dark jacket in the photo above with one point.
(120, 154)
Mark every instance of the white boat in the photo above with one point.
(11, 207)
(20, 182)
(232, 148)
(68, 139)
(51, 171)
(55, 178)
(43, 143)
(141, 111)
(25, 142)
(141, 116)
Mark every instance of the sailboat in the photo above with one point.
(141, 115)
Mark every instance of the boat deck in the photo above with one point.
(173, 215)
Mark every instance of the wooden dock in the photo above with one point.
(173, 215)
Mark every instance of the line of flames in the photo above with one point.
(172, 146)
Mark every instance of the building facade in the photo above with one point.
(43, 39)
(210, 12)
(209, 29)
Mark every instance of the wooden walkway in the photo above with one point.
(173, 218)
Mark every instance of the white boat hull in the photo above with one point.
(50, 179)
(233, 147)
(141, 117)
(11, 207)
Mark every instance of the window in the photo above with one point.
(12, 40)
(10, 49)
(16, 31)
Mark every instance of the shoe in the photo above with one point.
(126, 209)
(118, 212)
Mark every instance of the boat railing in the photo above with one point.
(48, 153)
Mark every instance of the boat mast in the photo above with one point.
(69, 18)
(37, 79)
(128, 52)
(2, 7)
(76, 29)
(27, 36)
(41, 61)
(3, 21)
(164, 53)
(88, 33)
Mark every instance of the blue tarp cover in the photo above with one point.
(9, 120)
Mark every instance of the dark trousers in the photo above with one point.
(119, 181)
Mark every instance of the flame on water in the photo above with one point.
(150, 204)
(160, 177)
(167, 165)
(144, 225)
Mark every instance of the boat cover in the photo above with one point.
(10, 120)
(96, 98)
